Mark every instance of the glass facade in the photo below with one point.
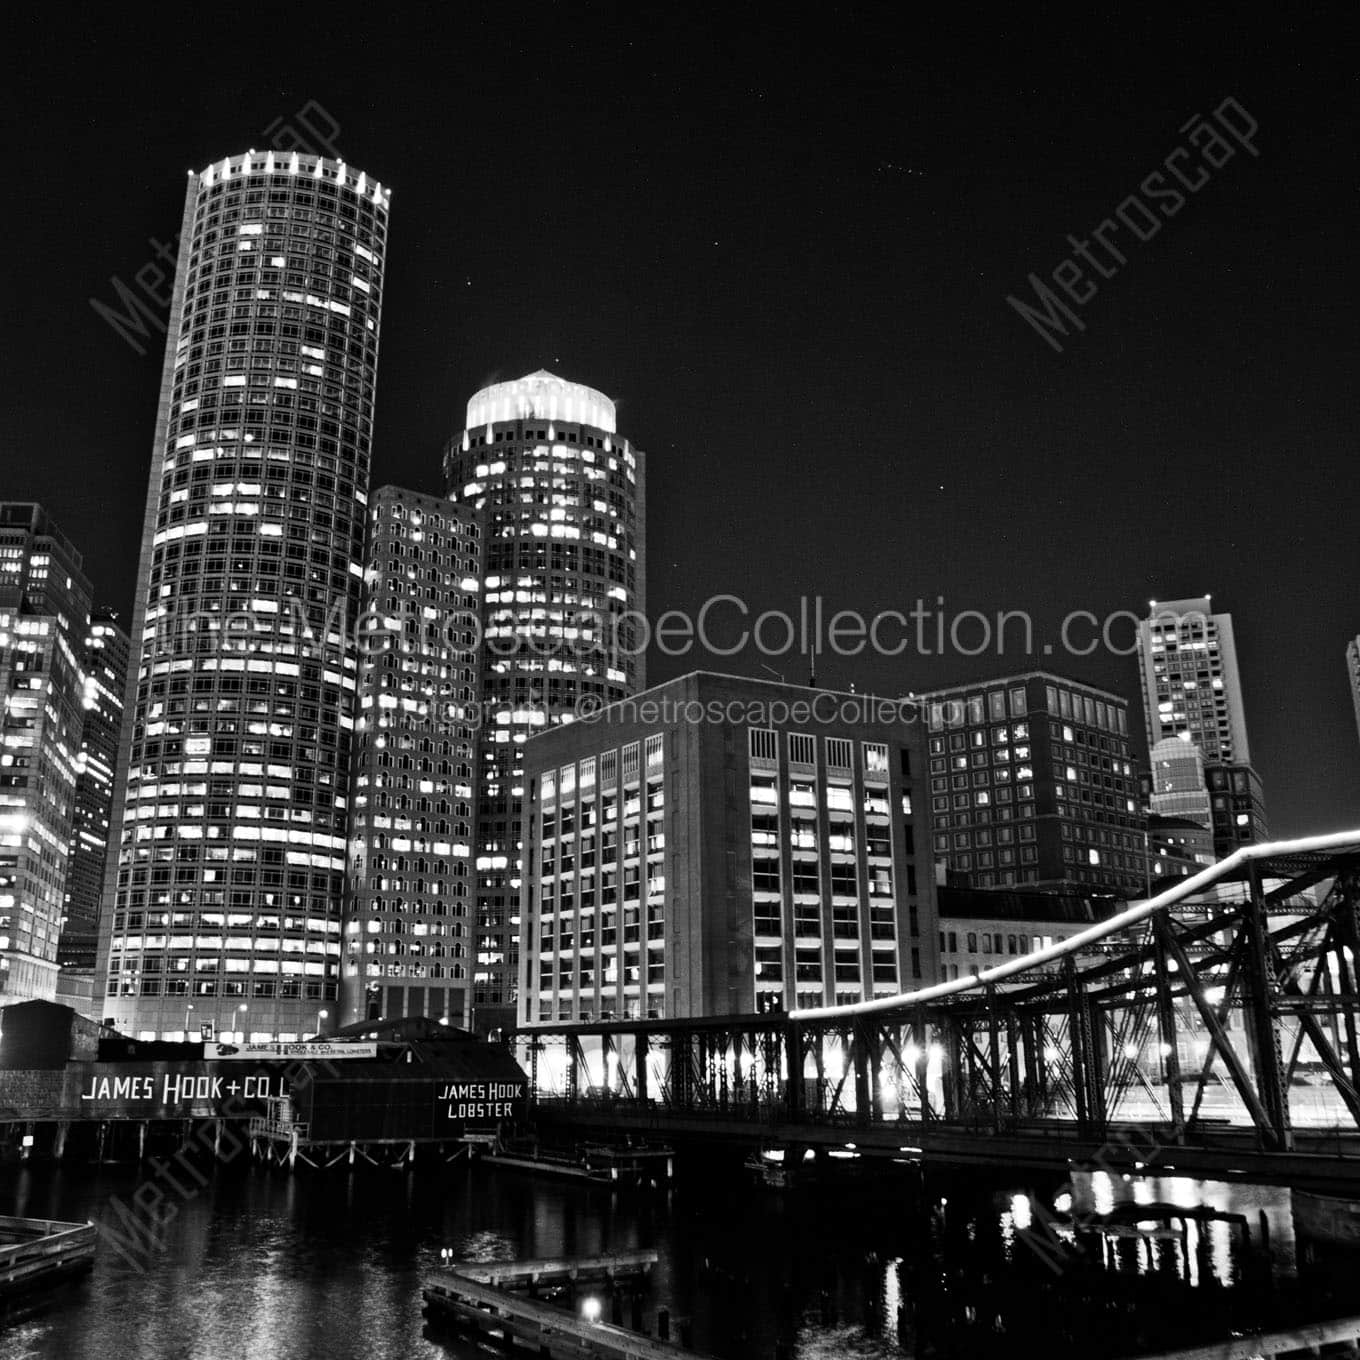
(44, 614)
(564, 501)
(224, 903)
(105, 662)
(407, 920)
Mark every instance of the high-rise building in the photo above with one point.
(408, 915)
(44, 613)
(222, 905)
(104, 661)
(1191, 684)
(719, 845)
(1353, 672)
(565, 504)
(1032, 784)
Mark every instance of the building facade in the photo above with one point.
(981, 929)
(1191, 684)
(222, 905)
(1237, 805)
(1032, 785)
(1353, 675)
(564, 499)
(104, 661)
(408, 917)
(44, 614)
(719, 845)
(1176, 787)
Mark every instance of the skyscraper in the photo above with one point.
(408, 917)
(222, 906)
(1353, 671)
(105, 663)
(1190, 679)
(565, 504)
(44, 612)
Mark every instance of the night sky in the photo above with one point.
(785, 251)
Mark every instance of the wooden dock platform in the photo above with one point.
(38, 1251)
(612, 1267)
(634, 1165)
(513, 1320)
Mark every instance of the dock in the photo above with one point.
(629, 1164)
(39, 1251)
(514, 1321)
(611, 1268)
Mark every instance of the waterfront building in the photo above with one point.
(408, 908)
(1191, 684)
(104, 662)
(44, 614)
(564, 499)
(1032, 785)
(222, 904)
(719, 845)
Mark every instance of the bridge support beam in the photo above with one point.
(1166, 1028)
(1263, 1016)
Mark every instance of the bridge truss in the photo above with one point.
(1229, 1004)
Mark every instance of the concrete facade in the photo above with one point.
(718, 845)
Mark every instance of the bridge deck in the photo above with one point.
(1320, 1159)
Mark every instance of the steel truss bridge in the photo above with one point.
(1214, 1028)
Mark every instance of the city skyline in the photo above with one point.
(735, 317)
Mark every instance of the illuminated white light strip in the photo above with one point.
(542, 395)
(1337, 840)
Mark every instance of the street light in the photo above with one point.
(241, 1012)
(187, 1009)
(320, 1016)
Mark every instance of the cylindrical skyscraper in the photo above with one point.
(222, 906)
(565, 592)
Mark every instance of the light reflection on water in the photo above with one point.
(327, 1266)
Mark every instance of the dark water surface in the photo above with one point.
(329, 1265)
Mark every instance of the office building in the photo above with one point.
(1353, 674)
(719, 845)
(564, 496)
(1191, 685)
(222, 906)
(44, 614)
(407, 931)
(1237, 805)
(104, 662)
(1032, 785)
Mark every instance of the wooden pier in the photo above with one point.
(514, 1321)
(612, 1268)
(622, 1164)
(39, 1251)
